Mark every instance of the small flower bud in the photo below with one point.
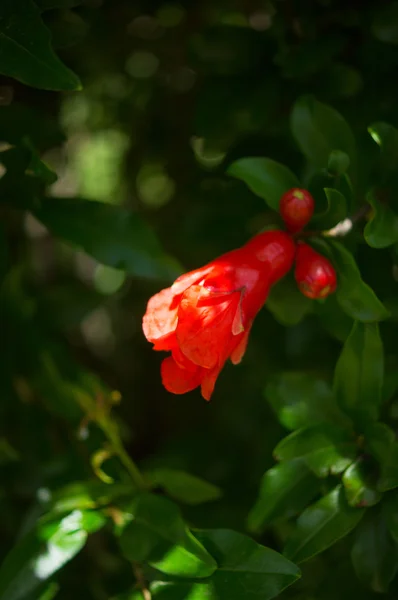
(296, 208)
(315, 274)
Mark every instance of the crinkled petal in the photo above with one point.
(239, 350)
(177, 380)
(184, 281)
(160, 319)
(209, 379)
(204, 326)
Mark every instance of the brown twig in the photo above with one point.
(141, 582)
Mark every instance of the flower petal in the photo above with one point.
(209, 380)
(160, 319)
(177, 380)
(204, 326)
(184, 281)
(239, 350)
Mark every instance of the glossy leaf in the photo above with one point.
(183, 486)
(300, 399)
(265, 177)
(319, 129)
(83, 495)
(386, 137)
(360, 485)
(379, 439)
(336, 211)
(389, 470)
(390, 514)
(322, 525)
(288, 305)
(43, 551)
(285, 490)
(158, 535)
(325, 448)
(245, 569)
(374, 553)
(25, 50)
(112, 235)
(359, 373)
(382, 228)
(355, 297)
(338, 163)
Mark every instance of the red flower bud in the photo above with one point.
(315, 274)
(296, 207)
(205, 317)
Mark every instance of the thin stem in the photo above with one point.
(109, 429)
(141, 583)
(342, 228)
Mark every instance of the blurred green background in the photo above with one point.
(172, 93)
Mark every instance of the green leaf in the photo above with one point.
(319, 129)
(382, 228)
(338, 163)
(245, 569)
(386, 137)
(300, 399)
(336, 211)
(389, 470)
(322, 525)
(112, 235)
(385, 24)
(265, 177)
(83, 495)
(325, 448)
(374, 553)
(355, 297)
(25, 51)
(288, 305)
(157, 534)
(379, 439)
(183, 486)
(43, 551)
(359, 373)
(285, 490)
(390, 514)
(359, 484)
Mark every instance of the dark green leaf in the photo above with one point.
(245, 569)
(385, 24)
(319, 129)
(389, 470)
(43, 551)
(379, 439)
(355, 297)
(325, 448)
(285, 490)
(336, 211)
(382, 228)
(25, 51)
(333, 319)
(359, 373)
(301, 399)
(374, 553)
(322, 525)
(338, 163)
(288, 305)
(158, 535)
(184, 487)
(386, 137)
(112, 235)
(390, 513)
(360, 485)
(265, 177)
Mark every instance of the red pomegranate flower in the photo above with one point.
(205, 317)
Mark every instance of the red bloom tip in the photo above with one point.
(315, 274)
(296, 208)
(205, 317)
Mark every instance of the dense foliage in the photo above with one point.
(143, 139)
